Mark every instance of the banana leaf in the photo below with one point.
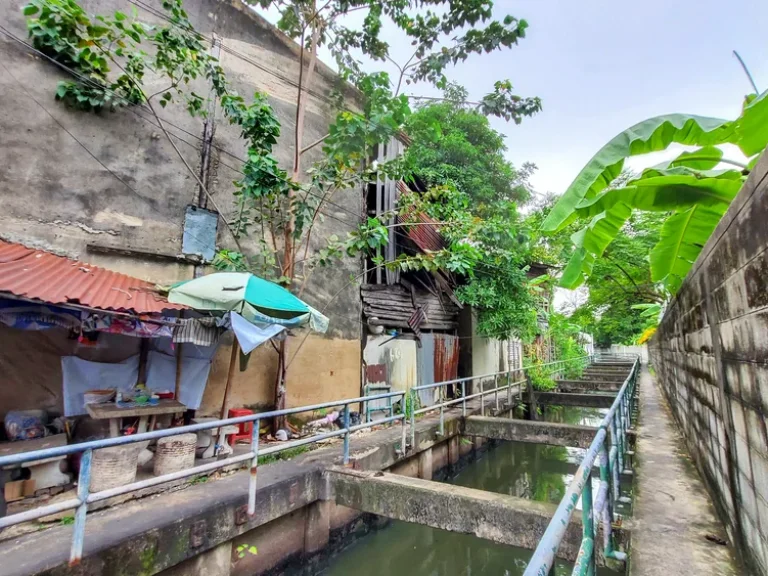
(683, 235)
(648, 136)
(704, 158)
(591, 241)
(578, 269)
(752, 125)
(667, 190)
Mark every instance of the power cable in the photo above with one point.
(233, 52)
(132, 108)
(87, 150)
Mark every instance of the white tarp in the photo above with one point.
(82, 375)
(161, 377)
(250, 336)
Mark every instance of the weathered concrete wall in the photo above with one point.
(31, 362)
(397, 356)
(642, 351)
(477, 355)
(711, 357)
(496, 517)
(552, 433)
(56, 196)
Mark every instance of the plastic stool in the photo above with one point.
(244, 429)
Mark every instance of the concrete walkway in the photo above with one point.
(672, 513)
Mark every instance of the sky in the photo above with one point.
(601, 66)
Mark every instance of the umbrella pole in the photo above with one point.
(228, 387)
(177, 388)
(179, 345)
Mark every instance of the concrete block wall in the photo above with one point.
(711, 358)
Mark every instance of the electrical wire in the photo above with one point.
(159, 14)
(132, 108)
(89, 152)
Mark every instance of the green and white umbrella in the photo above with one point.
(257, 300)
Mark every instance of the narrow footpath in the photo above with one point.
(673, 514)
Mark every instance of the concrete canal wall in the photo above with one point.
(205, 528)
(711, 358)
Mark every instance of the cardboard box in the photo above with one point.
(14, 490)
(19, 489)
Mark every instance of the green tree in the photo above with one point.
(621, 283)
(473, 191)
(453, 143)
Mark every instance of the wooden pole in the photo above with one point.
(177, 390)
(143, 351)
(228, 387)
(230, 376)
(179, 346)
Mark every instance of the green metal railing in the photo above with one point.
(611, 460)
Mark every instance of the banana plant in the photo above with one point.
(689, 188)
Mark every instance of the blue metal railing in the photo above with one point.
(611, 462)
(554, 369)
(84, 496)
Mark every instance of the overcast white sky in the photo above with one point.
(600, 66)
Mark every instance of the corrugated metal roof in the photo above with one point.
(40, 275)
(424, 234)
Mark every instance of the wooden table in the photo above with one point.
(143, 413)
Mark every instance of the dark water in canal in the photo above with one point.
(529, 471)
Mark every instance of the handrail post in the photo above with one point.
(622, 430)
(441, 394)
(413, 418)
(482, 397)
(464, 398)
(607, 508)
(532, 407)
(254, 468)
(613, 466)
(83, 488)
(403, 441)
(587, 518)
(496, 392)
(616, 430)
(346, 435)
(509, 390)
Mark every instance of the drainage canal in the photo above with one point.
(533, 471)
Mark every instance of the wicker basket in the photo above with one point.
(175, 453)
(115, 466)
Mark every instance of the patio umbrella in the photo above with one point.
(257, 300)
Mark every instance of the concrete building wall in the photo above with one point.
(711, 357)
(57, 196)
(478, 355)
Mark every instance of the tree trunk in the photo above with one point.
(280, 422)
(289, 248)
